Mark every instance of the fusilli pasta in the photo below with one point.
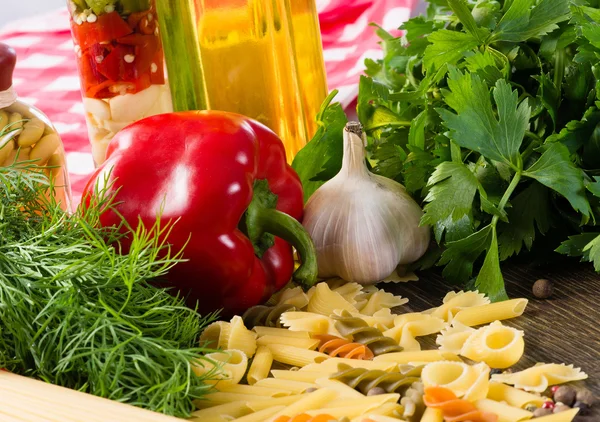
(266, 316)
(337, 346)
(363, 379)
(453, 408)
(413, 404)
(359, 330)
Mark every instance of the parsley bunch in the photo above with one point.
(78, 312)
(489, 113)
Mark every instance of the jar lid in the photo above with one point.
(8, 60)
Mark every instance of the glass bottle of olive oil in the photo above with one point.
(260, 58)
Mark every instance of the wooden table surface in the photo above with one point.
(562, 329)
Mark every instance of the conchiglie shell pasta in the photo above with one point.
(470, 382)
(232, 364)
(497, 345)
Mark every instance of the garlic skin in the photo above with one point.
(363, 225)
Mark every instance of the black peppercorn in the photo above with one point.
(583, 408)
(543, 288)
(586, 396)
(565, 394)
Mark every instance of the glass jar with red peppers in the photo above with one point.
(120, 61)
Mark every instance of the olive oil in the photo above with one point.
(262, 59)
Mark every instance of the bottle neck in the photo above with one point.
(7, 98)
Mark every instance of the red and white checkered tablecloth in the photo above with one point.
(46, 73)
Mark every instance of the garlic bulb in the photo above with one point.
(363, 225)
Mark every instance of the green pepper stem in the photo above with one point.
(289, 229)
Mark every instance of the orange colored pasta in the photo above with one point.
(336, 346)
(303, 417)
(453, 408)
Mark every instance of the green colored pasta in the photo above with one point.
(413, 404)
(364, 380)
(347, 325)
(266, 316)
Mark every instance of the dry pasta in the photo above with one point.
(261, 415)
(349, 291)
(303, 343)
(266, 316)
(453, 408)
(230, 335)
(505, 412)
(324, 301)
(379, 300)
(432, 415)
(514, 396)
(295, 356)
(293, 296)
(412, 402)
(422, 356)
(495, 344)
(232, 365)
(539, 377)
(264, 403)
(359, 330)
(261, 365)
(295, 387)
(454, 302)
(452, 338)
(310, 401)
(336, 346)
(232, 410)
(253, 390)
(409, 326)
(330, 365)
(484, 314)
(364, 379)
(470, 382)
(280, 332)
(308, 321)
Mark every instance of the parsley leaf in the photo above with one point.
(556, 170)
(489, 279)
(447, 47)
(460, 256)
(476, 127)
(522, 21)
(530, 208)
(450, 201)
(321, 158)
(576, 245)
(461, 10)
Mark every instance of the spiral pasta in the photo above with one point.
(453, 408)
(360, 332)
(266, 316)
(363, 379)
(340, 347)
(413, 404)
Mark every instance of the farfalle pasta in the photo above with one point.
(407, 327)
(470, 382)
(230, 335)
(454, 409)
(378, 300)
(324, 301)
(310, 322)
(454, 302)
(453, 337)
(538, 378)
(360, 332)
(497, 345)
(337, 346)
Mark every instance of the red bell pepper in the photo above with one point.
(108, 27)
(225, 179)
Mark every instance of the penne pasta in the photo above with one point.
(230, 335)
(306, 402)
(303, 376)
(256, 390)
(432, 415)
(514, 396)
(218, 398)
(280, 332)
(295, 387)
(402, 358)
(349, 411)
(256, 405)
(303, 343)
(261, 365)
(261, 415)
(331, 365)
(484, 314)
(370, 402)
(295, 356)
(234, 409)
(344, 391)
(505, 412)
(377, 418)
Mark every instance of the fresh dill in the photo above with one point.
(77, 312)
